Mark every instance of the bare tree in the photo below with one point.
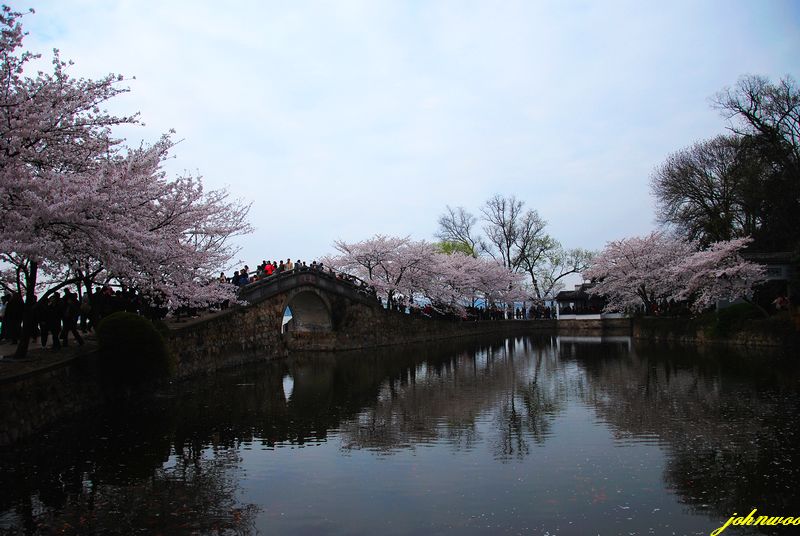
(457, 226)
(757, 108)
(766, 116)
(547, 263)
(517, 238)
(503, 217)
(556, 264)
(711, 190)
(514, 234)
(530, 237)
(535, 257)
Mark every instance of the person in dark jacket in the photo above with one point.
(12, 320)
(86, 313)
(54, 314)
(40, 315)
(72, 310)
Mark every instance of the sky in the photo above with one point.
(340, 120)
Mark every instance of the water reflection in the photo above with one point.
(444, 400)
(729, 420)
(574, 434)
(98, 476)
(288, 386)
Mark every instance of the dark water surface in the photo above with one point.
(538, 436)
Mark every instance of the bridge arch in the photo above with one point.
(310, 311)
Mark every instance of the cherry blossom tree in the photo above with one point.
(456, 281)
(417, 269)
(180, 232)
(635, 272)
(77, 205)
(649, 271)
(717, 273)
(392, 265)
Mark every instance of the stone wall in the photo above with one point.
(233, 337)
(331, 315)
(30, 402)
(688, 331)
(603, 326)
(253, 334)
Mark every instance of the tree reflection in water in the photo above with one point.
(727, 418)
(446, 399)
(95, 476)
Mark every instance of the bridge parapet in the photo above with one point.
(286, 281)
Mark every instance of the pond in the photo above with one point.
(530, 435)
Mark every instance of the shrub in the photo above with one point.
(734, 318)
(132, 349)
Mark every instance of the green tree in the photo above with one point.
(450, 247)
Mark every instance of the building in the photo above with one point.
(580, 304)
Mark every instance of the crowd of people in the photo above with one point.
(65, 313)
(267, 269)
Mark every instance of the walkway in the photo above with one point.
(40, 359)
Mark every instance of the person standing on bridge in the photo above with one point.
(289, 266)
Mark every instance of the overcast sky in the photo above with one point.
(339, 120)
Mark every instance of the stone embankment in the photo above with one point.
(756, 334)
(48, 386)
(239, 336)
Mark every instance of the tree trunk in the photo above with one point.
(535, 284)
(88, 284)
(28, 314)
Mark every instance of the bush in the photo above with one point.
(132, 349)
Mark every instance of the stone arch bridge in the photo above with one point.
(319, 301)
(328, 313)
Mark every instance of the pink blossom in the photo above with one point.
(78, 206)
(717, 273)
(417, 269)
(649, 271)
